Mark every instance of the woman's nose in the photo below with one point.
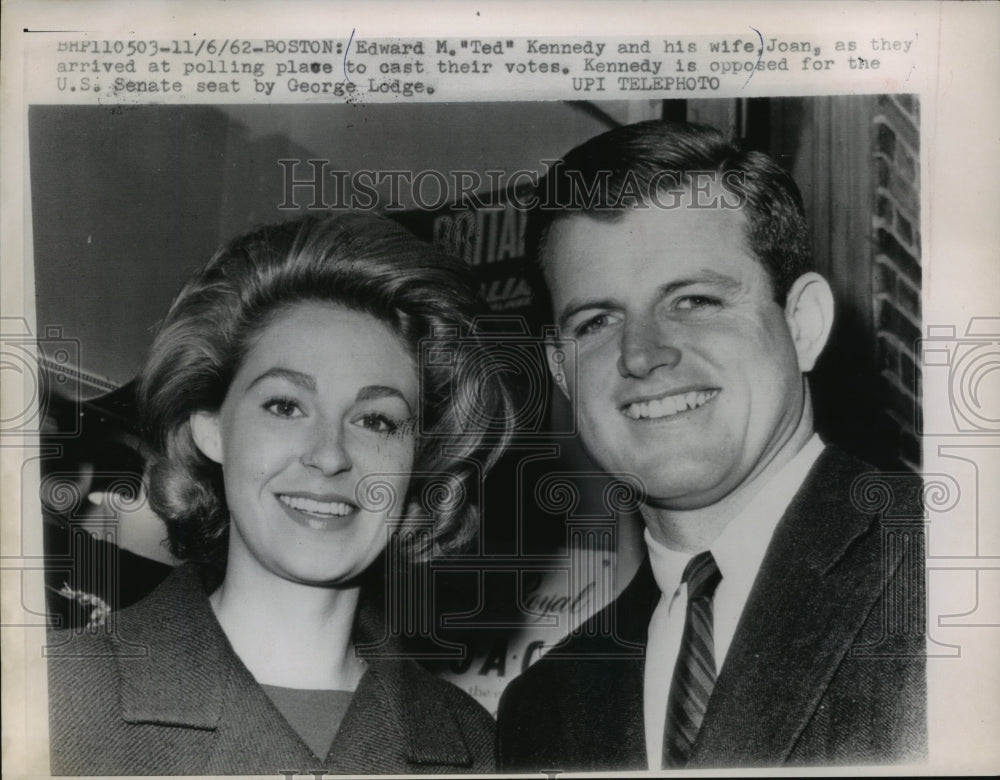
(327, 452)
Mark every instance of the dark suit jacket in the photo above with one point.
(826, 667)
(160, 691)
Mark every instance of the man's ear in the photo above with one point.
(809, 313)
(555, 356)
(206, 435)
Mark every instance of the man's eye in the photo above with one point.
(284, 407)
(691, 302)
(593, 325)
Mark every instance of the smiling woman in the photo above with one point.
(325, 397)
(294, 429)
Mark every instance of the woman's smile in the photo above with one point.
(317, 515)
(320, 403)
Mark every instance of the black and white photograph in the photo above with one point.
(371, 411)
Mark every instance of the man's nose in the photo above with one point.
(326, 451)
(646, 345)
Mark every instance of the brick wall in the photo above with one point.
(896, 270)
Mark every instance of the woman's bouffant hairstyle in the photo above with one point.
(361, 261)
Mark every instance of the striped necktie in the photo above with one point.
(694, 674)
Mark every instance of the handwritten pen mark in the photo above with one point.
(760, 54)
(347, 51)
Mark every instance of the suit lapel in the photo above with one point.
(642, 598)
(604, 723)
(820, 577)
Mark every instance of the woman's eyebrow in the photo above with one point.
(372, 392)
(305, 381)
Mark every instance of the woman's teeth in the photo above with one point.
(318, 508)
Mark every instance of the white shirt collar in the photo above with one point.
(739, 552)
(740, 548)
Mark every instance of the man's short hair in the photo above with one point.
(635, 165)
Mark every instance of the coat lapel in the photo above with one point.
(395, 723)
(192, 679)
(173, 671)
(189, 677)
(822, 574)
(393, 726)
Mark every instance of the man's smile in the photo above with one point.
(668, 405)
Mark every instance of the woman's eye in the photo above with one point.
(284, 407)
(378, 423)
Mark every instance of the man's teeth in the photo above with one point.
(669, 405)
(318, 508)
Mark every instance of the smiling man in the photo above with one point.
(678, 264)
